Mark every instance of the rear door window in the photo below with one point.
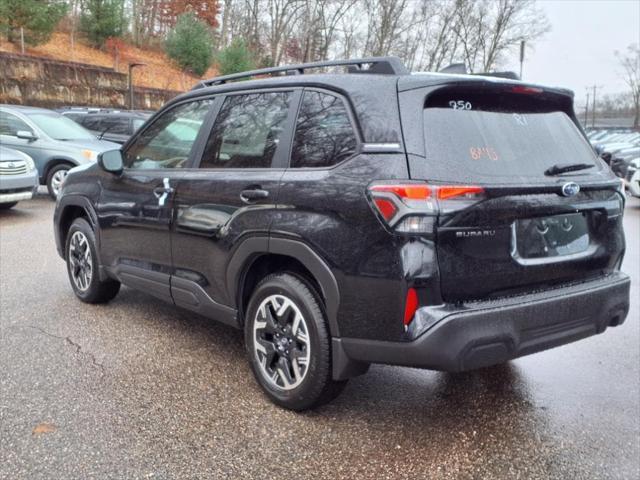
(247, 131)
(501, 137)
(324, 135)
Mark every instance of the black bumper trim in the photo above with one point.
(502, 330)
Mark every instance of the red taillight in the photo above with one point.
(458, 191)
(408, 191)
(526, 90)
(410, 306)
(411, 207)
(386, 208)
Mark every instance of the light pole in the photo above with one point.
(131, 67)
(586, 112)
(522, 45)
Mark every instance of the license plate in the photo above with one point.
(549, 237)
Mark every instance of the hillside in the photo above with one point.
(158, 72)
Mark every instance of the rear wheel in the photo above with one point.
(288, 343)
(7, 206)
(82, 265)
(56, 177)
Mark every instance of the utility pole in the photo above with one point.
(594, 88)
(586, 112)
(131, 67)
(522, 45)
(593, 110)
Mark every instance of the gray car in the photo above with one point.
(55, 143)
(18, 177)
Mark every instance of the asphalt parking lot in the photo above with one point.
(140, 389)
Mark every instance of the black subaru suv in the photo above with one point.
(448, 222)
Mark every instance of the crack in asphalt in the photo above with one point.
(77, 346)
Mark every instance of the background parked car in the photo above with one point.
(18, 177)
(613, 140)
(632, 180)
(112, 125)
(55, 143)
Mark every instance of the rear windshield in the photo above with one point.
(500, 136)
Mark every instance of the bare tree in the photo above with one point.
(349, 34)
(386, 23)
(317, 29)
(330, 14)
(430, 43)
(426, 34)
(281, 17)
(487, 29)
(226, 18)
(631, 67)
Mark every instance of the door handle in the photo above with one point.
(161, 193)
(252, 195)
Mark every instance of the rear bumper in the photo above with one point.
(487, 333)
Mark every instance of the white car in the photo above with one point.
(632, 180)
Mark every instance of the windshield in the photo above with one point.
(60, 127)
(499, 137)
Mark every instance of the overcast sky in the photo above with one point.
(579, 49)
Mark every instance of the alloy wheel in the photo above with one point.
(80, 261)
(56, 180)
(281, 342)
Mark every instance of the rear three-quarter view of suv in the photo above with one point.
(447, 222)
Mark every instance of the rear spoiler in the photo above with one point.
(461, 68)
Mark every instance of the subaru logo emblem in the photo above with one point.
(570, 189)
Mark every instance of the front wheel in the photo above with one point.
(82, 265)
(56, 177)
(7, 206)
(288, 343)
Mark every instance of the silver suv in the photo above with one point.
(55, 143)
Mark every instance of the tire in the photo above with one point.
(82, 268)
(290, 357)
(7, 206)
(55, 176)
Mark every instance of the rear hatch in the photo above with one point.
(528, 222)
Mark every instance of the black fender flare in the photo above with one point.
(251, 248)
(84, 203)
(74, 200)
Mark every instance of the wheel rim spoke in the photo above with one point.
(296, 369)
(281, 342)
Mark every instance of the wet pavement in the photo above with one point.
(140, 389)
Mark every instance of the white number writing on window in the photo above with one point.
(460, 105)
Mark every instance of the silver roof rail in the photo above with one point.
(379, 65)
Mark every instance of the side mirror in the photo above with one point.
(26, 135)
(111, 161)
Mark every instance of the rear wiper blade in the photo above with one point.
(567, 167)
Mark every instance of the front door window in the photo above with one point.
(167, 142)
